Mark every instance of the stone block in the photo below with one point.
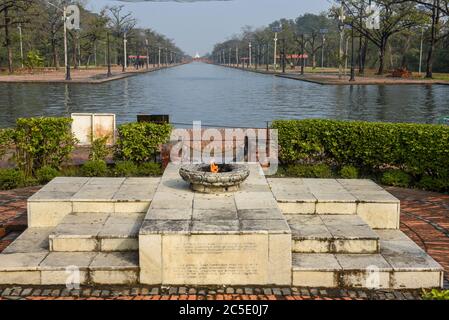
(380, 215)
(165, 227)
(416, 279)
(264, 226)
(93, 206)
(61, 267)
(214, 214)
(215, 227)
(315, 270)
(364, 271)
(115, 268)
(21, 268)
(260, 214)
(31, 240)
(119, 244)
(279, 259)
(47, 214)
(169, 214)
(131, 206)
(215, 259)
(297, 207)
(336, 208)
(150, 259)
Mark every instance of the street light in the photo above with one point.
(352, 78)
(125, 54)
(109, 57)
(323, 40)
(250, 55)
(21, 43)
(276, 29)
(74, 19)
(148, 53)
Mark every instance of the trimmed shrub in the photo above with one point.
(141, 141)
(6, 140)
(309, 171)
(94, 168)
(125, 169)
(433, 184)
(46, 174)
(418, 148)
(396, 178)
(42, 142)
(149, 169)
(349, 172)
(11, 179)
(99, 149)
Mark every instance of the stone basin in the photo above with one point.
(201, 179)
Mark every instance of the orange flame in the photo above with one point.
(213, 167)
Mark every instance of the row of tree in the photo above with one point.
(409, 32)
(32, 30)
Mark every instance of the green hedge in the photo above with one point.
(140, 142)
(42, 142)
(418, 149)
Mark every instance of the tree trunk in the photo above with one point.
(382, 48)
(435, 20)
(55, 53)
(363, 55)
(8, 42)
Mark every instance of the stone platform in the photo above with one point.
(157, 231)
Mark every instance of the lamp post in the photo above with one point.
(109, 57)
(159, 59)
(125, 54)
(237, 61)
(66, 58)
(323, 41)
(276, 29)
(283, 55)
(250, 54)
(148, 53)
(302, 54)
(21, 43)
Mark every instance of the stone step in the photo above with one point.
(91, 232)
(65, 268)
(332, 234)
(401, 264)
(378, 208)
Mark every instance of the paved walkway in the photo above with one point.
(424, 218)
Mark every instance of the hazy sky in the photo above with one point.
(197, 26)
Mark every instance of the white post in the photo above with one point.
(65, 40)
(250, 55)
(237, 56)
(125, 62)
(420, 51)
(21, 44)
(159, 62)
(346, 55)
(322, 51)
(275, 50)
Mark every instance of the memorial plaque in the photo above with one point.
(214, 259)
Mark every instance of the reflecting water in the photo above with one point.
(221, 96)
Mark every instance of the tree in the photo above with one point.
(120, 23)
(14, 13)
(396, 16)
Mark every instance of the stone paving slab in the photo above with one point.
(332, 234)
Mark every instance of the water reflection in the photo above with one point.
(221, 96)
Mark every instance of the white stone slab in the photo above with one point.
(213, 259)
(115, 268)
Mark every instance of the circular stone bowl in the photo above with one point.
(202, 180)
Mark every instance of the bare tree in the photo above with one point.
(14, 13)
(120, 23)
